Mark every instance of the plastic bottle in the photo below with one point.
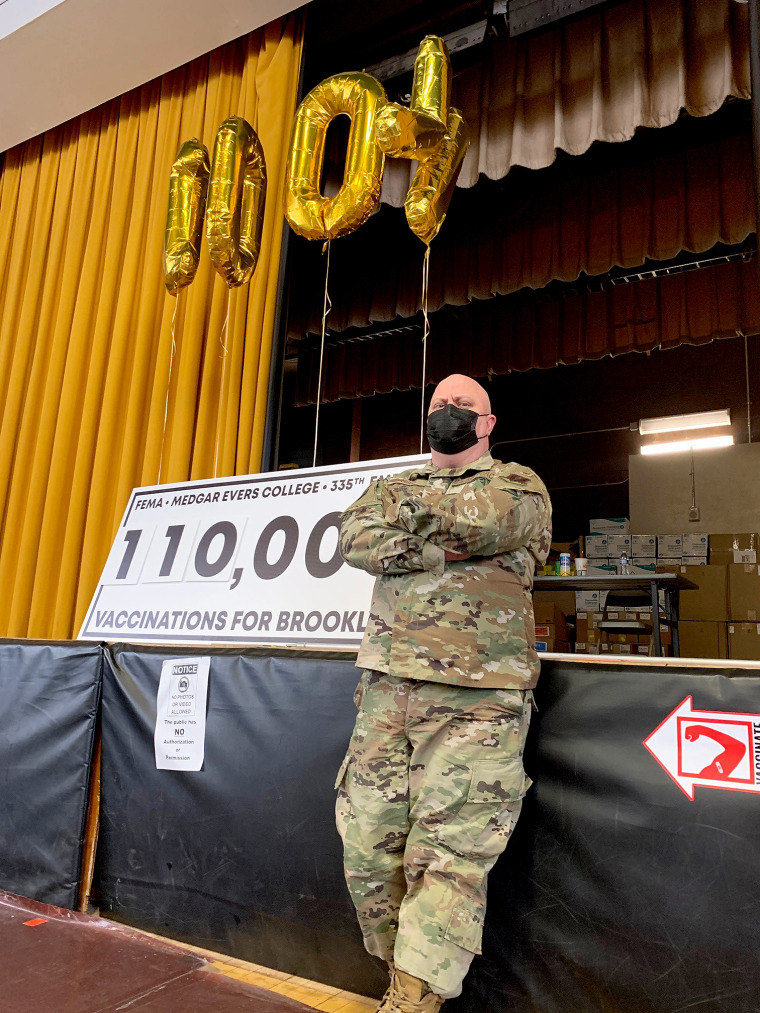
(624, 565)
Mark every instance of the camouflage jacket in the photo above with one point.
(469, 622)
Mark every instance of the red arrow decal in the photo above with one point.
(715, 749)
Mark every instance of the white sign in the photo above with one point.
(714, 749)
(180, 736)
(252, 559)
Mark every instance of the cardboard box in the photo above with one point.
(694, 561)
(557, 548)
(734, 548)
(669, 546)
(744, 592)
(596, 546)
(564, 601)
(607, 648)
(557, 630)
(694, 543)
(547, 612)
(729, 542)
(587, 620)
(709, 603)
(587, 648)
(702, 640)
(665, 564)
(644, 546)
(605, 525)
(590, 601)
(551, 644)
(744, 641)
(617, 545)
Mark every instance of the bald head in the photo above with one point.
(461, 390)
(464, 392)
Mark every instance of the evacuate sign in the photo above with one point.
(714, 749)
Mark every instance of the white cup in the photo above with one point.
(580, 566)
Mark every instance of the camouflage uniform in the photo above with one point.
(432, 784)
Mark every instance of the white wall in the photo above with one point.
(59, 59)
(728, 491)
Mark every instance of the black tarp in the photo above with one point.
(50, 693)
(617, 893)
(241, 857)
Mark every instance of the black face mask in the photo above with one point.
(451, 429)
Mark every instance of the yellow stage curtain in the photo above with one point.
(95, 395)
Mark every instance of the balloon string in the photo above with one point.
(223, 357)
(425, 333)
(326, 307)
(169, 383)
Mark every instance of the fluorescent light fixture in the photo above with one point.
(706, 443)
(674, 423)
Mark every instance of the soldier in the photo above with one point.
(432, 784)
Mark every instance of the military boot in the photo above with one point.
(408, 994)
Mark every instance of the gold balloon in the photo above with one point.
(432, 188)
(408, 131)
(430, 132)
(308, 212)
(188, 185)
(237, 195)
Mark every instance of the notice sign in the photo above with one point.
(180, 735)
(252, 559)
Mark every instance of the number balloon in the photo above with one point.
(430, 132)
(405, 131)
(309, 213)
(237, 195)
(188, 186)
(429, 196)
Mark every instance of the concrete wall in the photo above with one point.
(728, 491)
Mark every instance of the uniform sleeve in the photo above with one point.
(371, 542)
(483, 522)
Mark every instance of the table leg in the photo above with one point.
(656, 621)
(673, 614)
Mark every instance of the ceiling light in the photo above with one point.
(676, 446)
(674, 423)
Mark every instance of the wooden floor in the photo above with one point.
(310, 993)
(55, 959)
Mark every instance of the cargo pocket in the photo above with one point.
(342, 770)
(496, 782)
(343, 813)
(480, 829)
(465, 928)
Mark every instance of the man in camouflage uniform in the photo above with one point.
(432, 784)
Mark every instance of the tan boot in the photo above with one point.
(408, 994)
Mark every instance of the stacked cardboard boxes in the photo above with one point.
(704, 612)
(552, 633)
(721, 619)
(744, 611)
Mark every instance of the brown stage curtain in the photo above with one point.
(533, 228)
(521, 332)
(597, 78)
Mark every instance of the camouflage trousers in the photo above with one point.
(429, 793)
